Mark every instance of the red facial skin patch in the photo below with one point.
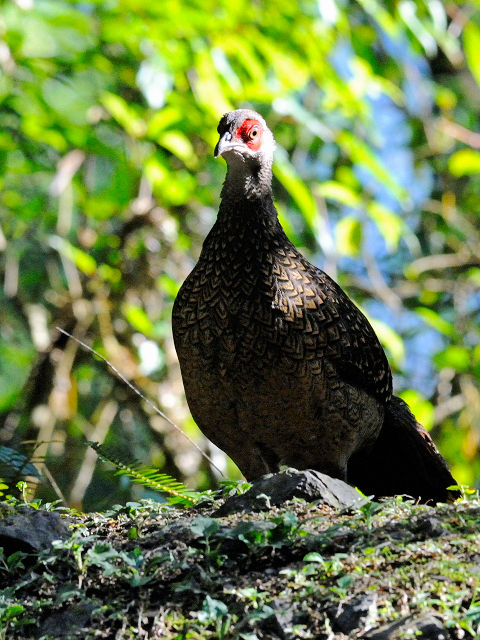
(245, 133)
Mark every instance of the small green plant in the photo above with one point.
(14, 561)
(234, 487)
(215, 612)
(176, 492)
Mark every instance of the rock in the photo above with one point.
(425, 627)
(70, 622)
(430, 527)
(350, 616)
(32, 530)
(276, 488)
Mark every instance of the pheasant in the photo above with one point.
(279, 366)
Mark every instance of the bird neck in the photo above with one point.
(247, 181)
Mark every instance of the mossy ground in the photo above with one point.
(146, 570)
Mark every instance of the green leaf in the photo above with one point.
(465, 162)
(204, 527)
(360, 153)
(237, 46)
(474, 275)
(212, 610)
(149, 477)
(11, 612)
(390, 225)
(124, 114)
(391, 340)
(455, 357)
(85, 262)
(348, 235)
(169, 285)
(471, 39)
(421, 408)
(313, 556)
(177, 143)
(207, 86)
(436, 321)
(175, 189)
(298, 190)
(139, 320)
(380, 14)
(161, 120)
(332, 190)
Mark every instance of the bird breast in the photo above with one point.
(249, 303)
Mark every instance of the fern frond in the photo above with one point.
(149, 477)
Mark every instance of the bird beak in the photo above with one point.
(223, 144)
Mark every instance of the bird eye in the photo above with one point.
(253, 132)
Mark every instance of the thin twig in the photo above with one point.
(380, 287)
(457, 131)
(141, 395)
(443, 261)
(454, 404)
(54, 484)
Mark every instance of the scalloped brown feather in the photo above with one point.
(279, 366)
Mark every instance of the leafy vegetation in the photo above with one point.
(148, 477)
(296, 571)
(108, 113)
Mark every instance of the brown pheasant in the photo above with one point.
(279, 366)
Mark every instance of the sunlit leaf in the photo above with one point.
(464, 162)
(155, 80)
(474, 275)
(361, 154)
(242, 49)
(435, 320)
(169, 285)
(390, 340)
(421, 408)
(455, 357)
(348, 235)
(298, 190)
(332, 190)
(178, 144)
(139, 320)
(288, 67)
(124, 114)
(108, 273)
(175, 189)
(380, 14)
(390, 225)
(82, 260)
(207, 87)
(471, 39)
(408, 11)
(162, 120)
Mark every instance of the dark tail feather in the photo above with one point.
(403, 460)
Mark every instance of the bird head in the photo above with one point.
(245, 137)
(247, 145)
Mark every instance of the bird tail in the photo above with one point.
(403, 461)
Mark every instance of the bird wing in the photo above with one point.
(331, 325)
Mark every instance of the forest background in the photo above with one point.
(108, 114)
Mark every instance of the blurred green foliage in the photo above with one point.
(108, 114)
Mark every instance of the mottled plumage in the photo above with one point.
(279, 366)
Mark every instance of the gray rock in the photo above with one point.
(32, 530)
(70, 622)
(276, 488)
(350, 616)
(425, 627)
(430, 527)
